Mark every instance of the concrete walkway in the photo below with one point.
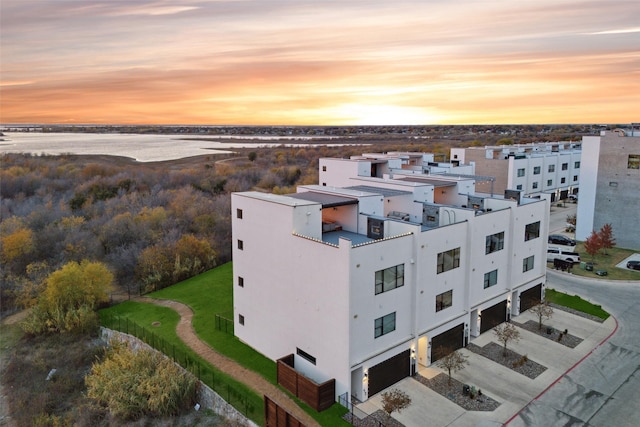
(512, 390)
(230, 367)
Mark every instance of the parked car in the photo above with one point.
(559, 239)
(563, 254)
(633, 265)
(573, 198)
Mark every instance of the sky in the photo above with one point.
(330, 62)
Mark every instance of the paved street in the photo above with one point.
(603, 390)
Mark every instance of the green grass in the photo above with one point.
(607, 262)
(575, 302)
(209, 294)
(164, 338)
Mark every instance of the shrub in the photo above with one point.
(133, 384)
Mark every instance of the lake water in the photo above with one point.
(143, 148)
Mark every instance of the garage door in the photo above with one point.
(530, 298)
(389, 372)
(493, 316)
(447, 342)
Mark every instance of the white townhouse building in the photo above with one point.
(543, 168)
(366, 281)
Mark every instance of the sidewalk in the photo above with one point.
(513, 390)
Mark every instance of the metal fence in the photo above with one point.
(251, 406)
(357, 417)
(224, 324)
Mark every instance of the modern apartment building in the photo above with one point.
(610, 188)
(535, 169)
(367, 276)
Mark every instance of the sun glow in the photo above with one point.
(380, 115)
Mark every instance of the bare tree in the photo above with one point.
(453, 361)
(505, 333)
(543, 311)
(395, 400)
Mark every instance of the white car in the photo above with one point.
(563, 254)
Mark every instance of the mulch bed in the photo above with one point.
(556, 335)
(494, 352)
(454, 392)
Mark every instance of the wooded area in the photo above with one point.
(152, 224)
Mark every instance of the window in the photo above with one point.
(536, 170)
(552, 168)
(490, 278)
(563, 180)
(240, 244)
(494, 243)
(241, 281)
(527, 264)
(241, 319)
(532, 231)
(385, 324)
(519, 187)
(565, 166)
(448, 260)
(444, 300)
(549, 182)
(521, 172)
(634, 161)
(576, 165)
(324, 169)
(305, 355)
(389, 278)
(239, 213)
(534, 185)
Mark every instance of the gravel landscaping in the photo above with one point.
(514, 361)
(455, 393)
(377, 419)
(568, 340)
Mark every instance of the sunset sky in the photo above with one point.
(298, 62)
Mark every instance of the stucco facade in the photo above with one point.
(610, 191)
(364, 281)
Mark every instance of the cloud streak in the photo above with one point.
(317, 62)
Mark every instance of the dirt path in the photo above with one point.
(251, 379)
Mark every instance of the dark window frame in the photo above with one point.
(389, 279)
(490, 278)
(241, 319)
(240, 245)
(445, 263)
(241, 281)
(633, 161)
(528, 263)
(384, 325)
(532, 231)
(444, 300)
(306, 356)
(494, 243)
(239, 213)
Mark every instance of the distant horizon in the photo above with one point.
(310, 62)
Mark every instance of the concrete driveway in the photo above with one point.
(512, 390)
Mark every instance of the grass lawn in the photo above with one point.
(209, 294)
(161, 322)
(606, 262)
(575, 302)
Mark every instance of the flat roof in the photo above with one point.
(326, 200)
(385, 192)
(425, 180)
(333, 237)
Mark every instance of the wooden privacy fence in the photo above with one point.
(318, 396)
(276, 416)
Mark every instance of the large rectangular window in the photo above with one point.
(490, 278)
(239, 213)
(389, 278)
(549, 182)
(527, 264)
(521, 172)
(536, 170)
(552, 168)
(565, 166)
(634, 161)
(444, 300)
(494, 243)
(532, 231)
(385, 324)
(576, 165)
(448, 260)
(534, 185)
